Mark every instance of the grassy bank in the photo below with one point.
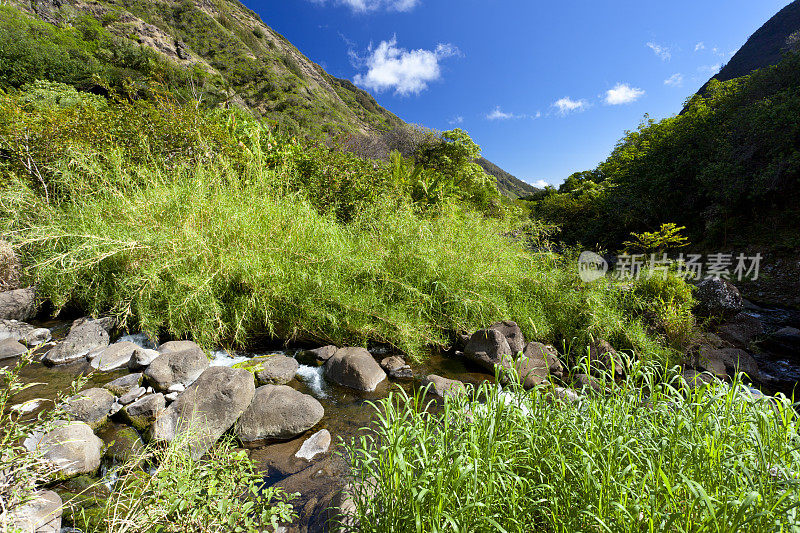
(650, 457)
(208, 225)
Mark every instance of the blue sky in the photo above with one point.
(546, 88)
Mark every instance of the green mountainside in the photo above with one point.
(216, 50)
(509, 185)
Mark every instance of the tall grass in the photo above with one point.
(653, 456)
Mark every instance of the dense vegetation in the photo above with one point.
(653, 455)
(727, 168)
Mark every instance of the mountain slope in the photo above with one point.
(507, 184)
(766, 46)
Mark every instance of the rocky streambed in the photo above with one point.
(290, 409)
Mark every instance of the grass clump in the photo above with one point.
(652, 456)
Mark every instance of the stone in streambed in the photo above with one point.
(19, 304)
(71, 447)
(125, 384)
(287, 458)
(142, 413)
(122, 442)
(443, 387)
(513, 334)
(42, 514)
(171, 367)
(117, 355)
(354, 368)
(24, 333)
(90, 406)
(207, 409)
(277, 412)
(80, 340)
(271, 369)
(10, 348)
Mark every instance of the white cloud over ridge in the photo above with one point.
(365, 6)
(406, 71)
(540, 183)
(660, 50)
(676, 80)
(622, 93)
(567, 105)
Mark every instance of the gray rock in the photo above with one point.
(142, 358)
(42, 514)
(277, 412)
(178, 346)
(785, 341)
(317, 355)
(143, 412)
(277, 370)
(537, 362)
(208, 408)
(354, 368)
(171, 396)
(122, 443)
(79, 342)
(9, 349)
(718, 297)
(19, 304)
(177, 387)
(588, 383)
(131, 396)
(118, 355)
(125, 384)
(397, 368)
(91, 406)
(172, 367)
(316, 444)
(443, 387)
(695, 378)
(107, 323)
(513, 334)
(487, 348)
(732, 359)
(741, 330)
(116, 407)
(24, 333)
(604, 358)
(71, 447)
(711, 362)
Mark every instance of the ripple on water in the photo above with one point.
(312, 376)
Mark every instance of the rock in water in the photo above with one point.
(125, 384)
(123, 443)
(718, 297)
(143, 412)
(172, 367)
(79, 342)
(72, 447)
(42, 514)
(443, 387)
(317, 355)
(487, 348)
(118, 355)
(513, 334)
(9, 348)
(19, 304)
(741, 330)
(271, 369)
(354, 368)
(24, 333)
(90, 406)
(315, 445)
(208, 408)
(277, 412)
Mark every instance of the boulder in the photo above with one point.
(585, 383)
(710, 362)
(143, 412)
(42, 514)
(19, 304)
(733, 359)
(178, 346)
(122, 443)
(354, 368)
(487, 348)
(718, 297)
(132, 395)
(125, 384)
(785, 341)
(271, 369)
(396, 367)
(91, 406)
(71, 447)
(10, 271)
(443, 387)
(24, 333)
(741, 330)
(208, 408)
(287, 458)
(79, 342)
(118, 355)
(10, 348)
(107, 323)
(277, 412)
(142, 358)
(317, 355)
(183, 366)
(605, 359)
(696, 378)
(537, 362)
(513, 334)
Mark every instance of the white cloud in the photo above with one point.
(405, 71)
(540, 183)
(676, 80)
(661, 51)
(458, 119)
(364, 6)
(699, 46)
(567, 105)
(622, 93)
(499, 114)
(538, 114)
(710, 69)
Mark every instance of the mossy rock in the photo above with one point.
(84, 499)
(122, 443)
(255, 364)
